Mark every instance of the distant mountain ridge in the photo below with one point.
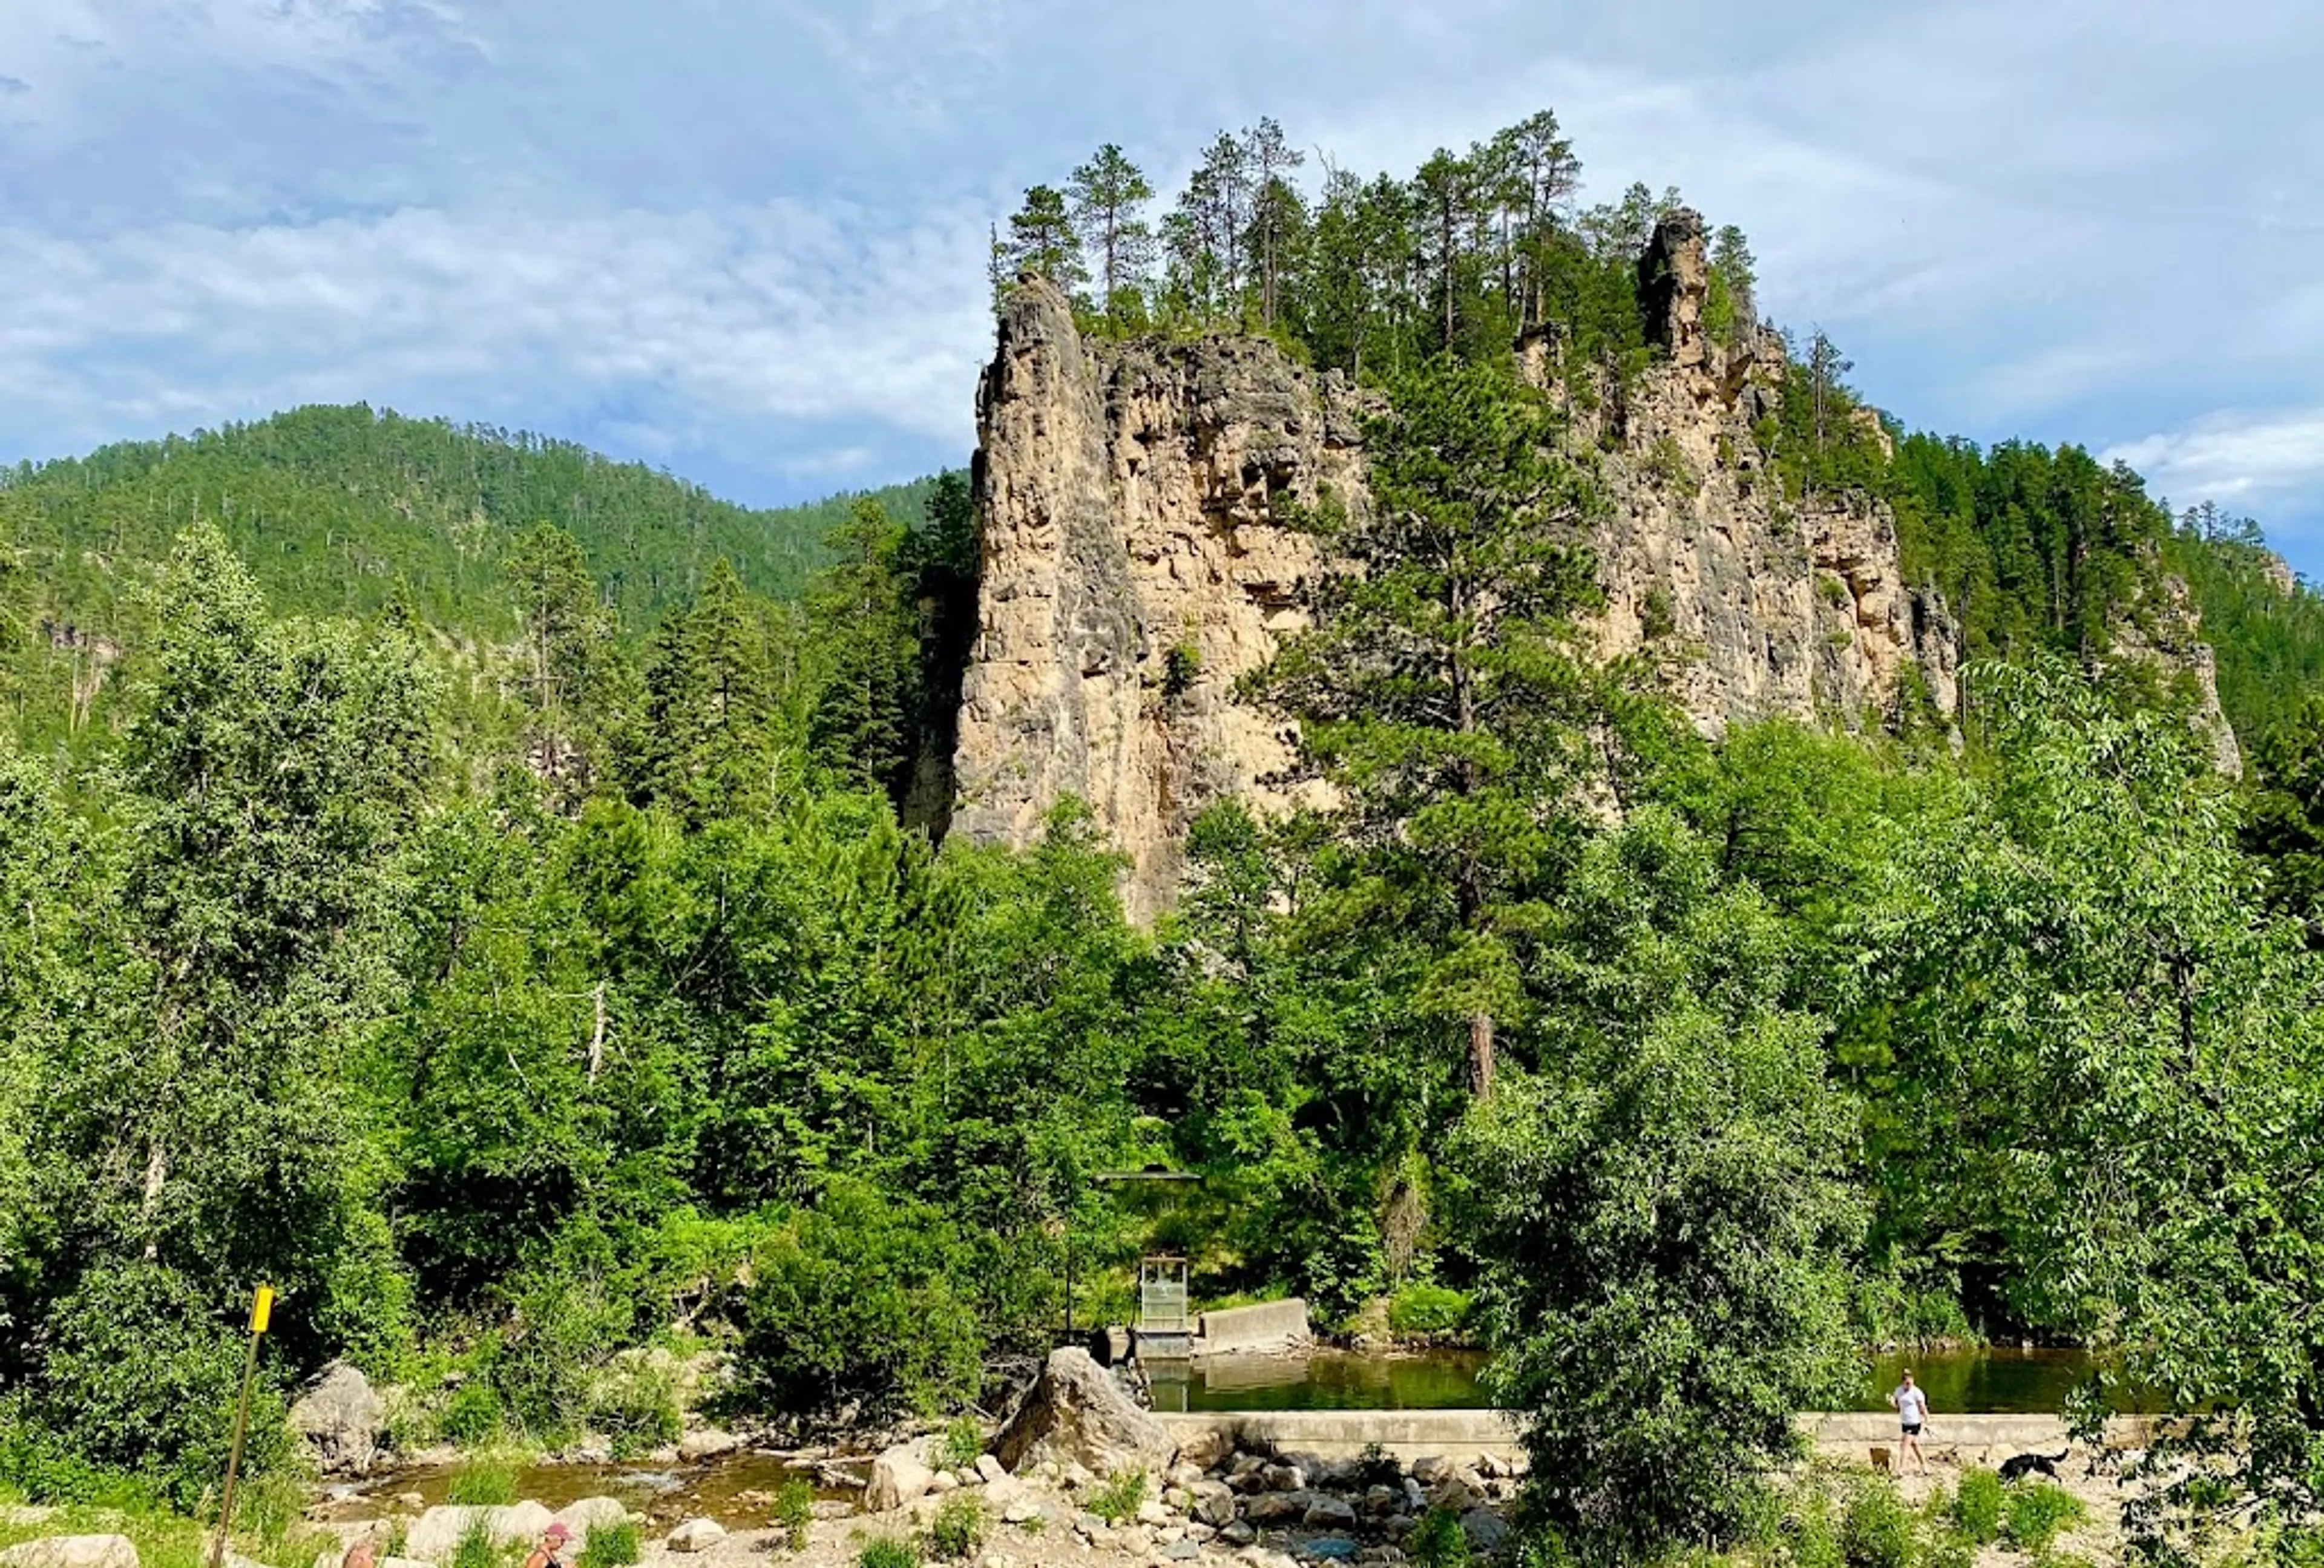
(340, 509)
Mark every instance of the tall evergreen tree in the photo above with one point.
(1041, 240)
(715, 735)
(1277, 211)
(1438, 690)
(864, 624)
(1108, 196)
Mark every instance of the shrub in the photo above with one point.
(1180, 668)
(1876, 1529)
(1427, 1309)
(1813, 1540)
(961, 1524)
(636, 1404)
(612, 1546)
(855, 1302)
(473, 1415)
(888, 1552)
(1948, 1549)
(963, 1444)
(477, 1548)
(2037, 1511)
(1977, 1506)
(794, 1512)
(141, 1378)
(489, 1479)
(1118, 1498)
(1439, 1541)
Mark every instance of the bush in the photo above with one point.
(1876, 1529)
(1118, 1498)
(473, 1415)
(1428, 1309)
(612, 1546)
(961, 1524)
(2037, 1511)
(477, 1549)
(1977, 1506)
(963, 1444)
(888, 1552)
(1439, 1541)
(141, 1378)
(854, 1301)
(636, 1404)
(794, 1512)
(486, 1479)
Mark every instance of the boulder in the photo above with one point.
(899, 1477)
(72, 1552)
(1075, 1412)
(1487, 1530)
(989, 1470)
(590, 1514)
(1237, 1534)
(1284, 1478)
(341, 1419)
(1214, 1502)
(1020, 1510)
(696, 1535)
(709, 1443)
(1276, 1508)
(436, 1535)
(1330, 1513)
(1206, 1447)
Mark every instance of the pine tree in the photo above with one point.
(863, 624)
(1108, 194)
(1041, 240)
(1438, 690)
(1277, 213)
(1733, 276)
(714, 705)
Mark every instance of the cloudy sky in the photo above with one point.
(744, 238)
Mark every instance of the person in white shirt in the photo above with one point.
(1913, 1411)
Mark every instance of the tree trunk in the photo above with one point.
(1481, 1055)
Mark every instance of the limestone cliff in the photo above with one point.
(1132, 568)
(1136, 561)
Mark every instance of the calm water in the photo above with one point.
(1991, 1380)
(738, 1490)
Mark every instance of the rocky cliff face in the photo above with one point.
(1133, 566)
(1136, 561)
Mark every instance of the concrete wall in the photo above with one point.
(1470, 1435)
(1271, 1326)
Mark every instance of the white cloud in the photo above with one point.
(2239, 459)
(719, 324)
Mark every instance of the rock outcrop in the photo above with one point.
(1134, 561)
(1075, 1415)
(1141, 553)
(341, 1419)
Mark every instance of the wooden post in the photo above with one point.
(261, 1307)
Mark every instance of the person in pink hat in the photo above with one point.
(550, 1552)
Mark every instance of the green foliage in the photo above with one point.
(961, 1524)
(1438, 1541)
(794, 1512)
(477, 1549)
(1119, 1498)
(1428, 1309)
(2037, 1512)
(635, 1404)
(615, 1545)
(1876, 1526)
(484, 1480)
(1977, 1506)
(855, 1302)
(963, 1444)
(888, 1552)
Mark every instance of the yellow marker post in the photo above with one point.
(261, 1310)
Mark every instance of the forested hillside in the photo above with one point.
(345, 511)
(512, 1014)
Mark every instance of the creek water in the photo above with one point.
(739, 1489)
(1988, 1379)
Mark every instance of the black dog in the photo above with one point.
(2025, 1464)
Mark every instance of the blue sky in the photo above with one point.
(745, 240)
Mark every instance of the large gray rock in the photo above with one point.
(696, 1535)
(1075, 1414)
(342, 1420)
(72, 1552)
(1486, 1530)
(899, 1477)
(590, 1514)
(436, 1535)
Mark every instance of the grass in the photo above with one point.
(2037, 1512)
(961, 1524)
(1977, 1505)
(1119, 1498)
(612, 1546)
(963, 1445)
(167, 1539)
(795, 1511)
(888, 1552)
(486, 1479)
